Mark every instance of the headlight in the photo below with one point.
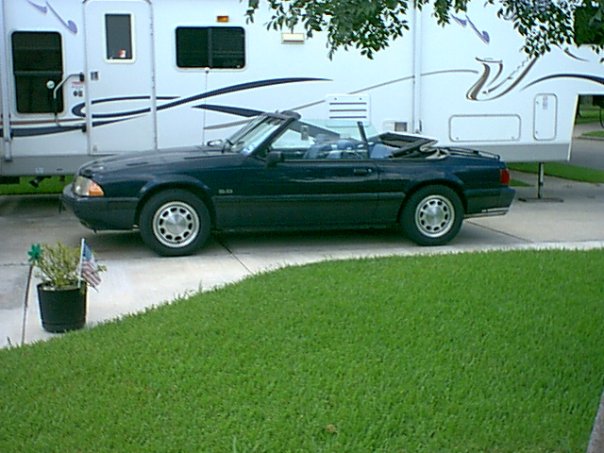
(85, 187)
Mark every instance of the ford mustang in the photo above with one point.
(280, 172)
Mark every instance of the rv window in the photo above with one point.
(118, 32)
(37, 60)
(210, 47)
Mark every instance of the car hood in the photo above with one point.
(146, 159)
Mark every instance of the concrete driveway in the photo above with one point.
(137, 279)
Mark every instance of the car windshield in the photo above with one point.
(248, 138)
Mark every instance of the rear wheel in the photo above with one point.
(432, 215)
(174, 223)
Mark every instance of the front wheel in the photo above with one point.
(432, 215)
(174, 223)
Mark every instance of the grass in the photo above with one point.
(518, 183)
(51, 185)
(562, 170)
(588, 114)
(498, 352)
(599, 134)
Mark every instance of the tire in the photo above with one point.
(174, 223)
(432, 215)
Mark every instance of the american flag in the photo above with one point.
(89, 269)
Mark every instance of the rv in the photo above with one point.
(83, 79)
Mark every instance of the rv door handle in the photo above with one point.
(362, 171)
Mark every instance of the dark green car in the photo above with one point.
(281, 173)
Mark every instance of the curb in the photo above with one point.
(596, 441)
(585, 137)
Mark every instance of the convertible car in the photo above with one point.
(280, 172)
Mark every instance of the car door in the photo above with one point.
(310, 193)
(297, 190)
(296, 175)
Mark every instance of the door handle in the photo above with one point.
(362, 171)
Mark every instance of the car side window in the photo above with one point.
(293, 143)
(304, 141)
(337, 148)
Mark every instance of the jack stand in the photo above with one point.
(540, 183)
(37, 180)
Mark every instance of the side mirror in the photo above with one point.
(217, 142)
(273, 158)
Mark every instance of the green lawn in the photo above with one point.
(588, 114)
(51, 185)
(497, 352)
(562, 170)
(599, 134)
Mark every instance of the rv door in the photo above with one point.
(119, 72)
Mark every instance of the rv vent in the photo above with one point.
(348, 107)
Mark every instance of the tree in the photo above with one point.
(370, 25)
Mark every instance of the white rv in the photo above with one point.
(81, 79)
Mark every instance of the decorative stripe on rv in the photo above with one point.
(103, 119)
(589, 78)
(78, 109)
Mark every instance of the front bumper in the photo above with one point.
(100, 213)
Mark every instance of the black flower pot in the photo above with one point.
(62, 310)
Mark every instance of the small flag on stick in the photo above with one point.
(89, 269)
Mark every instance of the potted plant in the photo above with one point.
(62, 292)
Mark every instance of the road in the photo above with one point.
(587, 153)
